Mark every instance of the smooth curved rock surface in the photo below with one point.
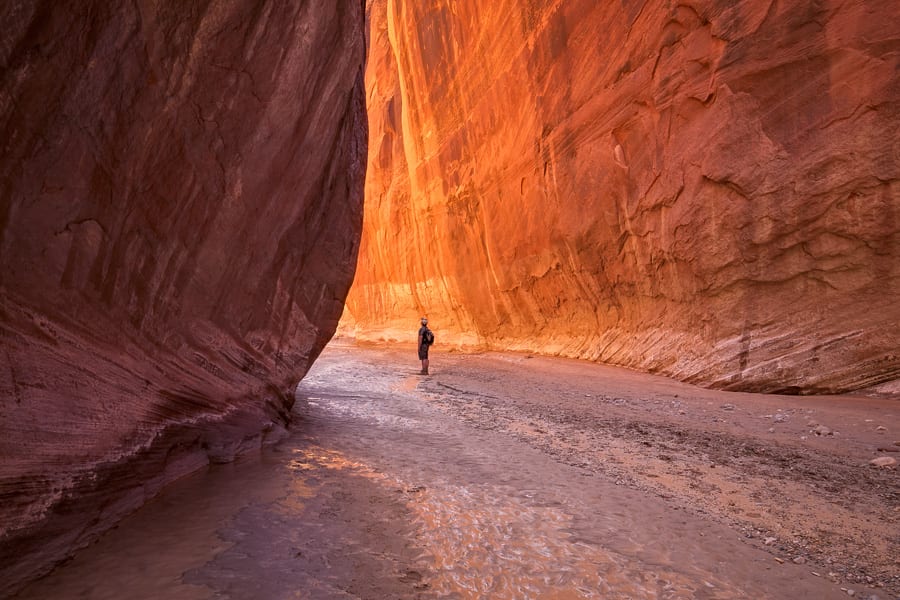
(708, 190)
(180, 207)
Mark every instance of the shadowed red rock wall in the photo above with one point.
(180, 206)
(707, 190)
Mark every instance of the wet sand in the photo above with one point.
(504, 476)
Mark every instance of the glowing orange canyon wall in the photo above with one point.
(707, 190)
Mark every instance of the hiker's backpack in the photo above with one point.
(428, 337)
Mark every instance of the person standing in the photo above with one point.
(426, 339)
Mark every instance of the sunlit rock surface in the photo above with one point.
(707, 190)
(180, 206)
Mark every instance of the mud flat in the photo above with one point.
(503, 476)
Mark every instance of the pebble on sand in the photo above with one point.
(883, 461)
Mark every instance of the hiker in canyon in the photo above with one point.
(426, 339)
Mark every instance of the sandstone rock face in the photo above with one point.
(180, 207)
(707, 190)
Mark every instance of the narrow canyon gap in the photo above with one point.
(707, 190)
(180, 209)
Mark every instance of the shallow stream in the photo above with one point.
(377, 494)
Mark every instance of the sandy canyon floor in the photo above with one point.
(509, 476)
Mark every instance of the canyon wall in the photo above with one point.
(180, 210)
(708, 190)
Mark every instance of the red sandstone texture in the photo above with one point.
(180, 208)
(708, 190)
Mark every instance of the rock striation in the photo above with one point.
(708, 190)
(180, 207)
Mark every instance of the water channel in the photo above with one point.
(377, 494)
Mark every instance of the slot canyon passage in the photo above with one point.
(657, 242)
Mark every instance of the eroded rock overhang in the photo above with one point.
(180, 206)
